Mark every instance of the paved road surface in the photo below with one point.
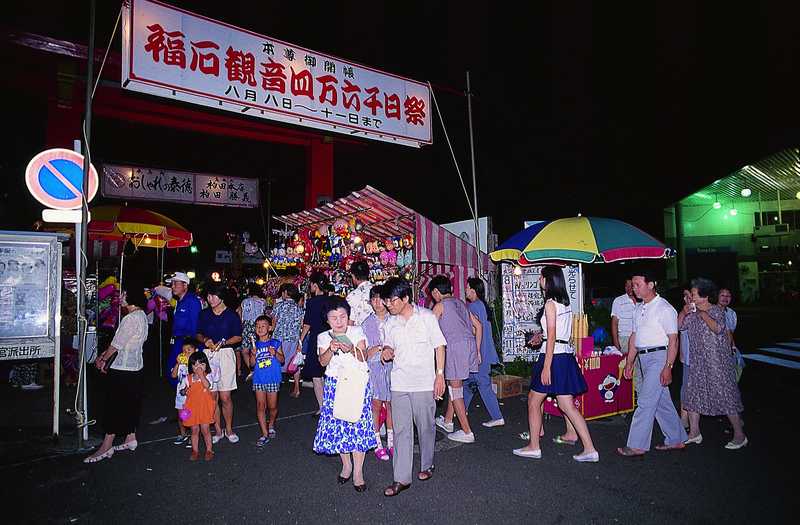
(287, 483)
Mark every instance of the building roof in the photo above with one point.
(767, 177)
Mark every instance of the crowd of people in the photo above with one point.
(379, 363)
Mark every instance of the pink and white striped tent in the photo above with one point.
(436, 250)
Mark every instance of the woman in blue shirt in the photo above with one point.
(219, 331)
(480, 381)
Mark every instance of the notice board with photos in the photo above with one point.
(522, 300)
(30, 298)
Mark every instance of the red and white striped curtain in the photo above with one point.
(441, 252)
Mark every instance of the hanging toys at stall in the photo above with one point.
(333, 247)
(108, 302)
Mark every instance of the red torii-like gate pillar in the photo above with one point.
(61, 65)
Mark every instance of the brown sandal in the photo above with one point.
(426, 474)
(630, 452)
(394, 489)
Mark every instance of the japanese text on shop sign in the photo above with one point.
(171, 52)
(131, 182)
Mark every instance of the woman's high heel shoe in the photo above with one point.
(342, 480)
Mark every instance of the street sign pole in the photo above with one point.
(83, 432)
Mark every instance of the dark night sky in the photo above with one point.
(612, 109)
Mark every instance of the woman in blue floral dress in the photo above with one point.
(338, 348)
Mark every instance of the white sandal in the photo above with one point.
(128, 445)
(105, 455)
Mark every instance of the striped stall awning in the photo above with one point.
(382, 217)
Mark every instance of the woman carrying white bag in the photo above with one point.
(342, 349)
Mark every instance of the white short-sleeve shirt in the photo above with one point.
(622, 308)
(355, 334)
(414, 342)
(653, 322)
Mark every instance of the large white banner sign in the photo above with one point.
(176, 54)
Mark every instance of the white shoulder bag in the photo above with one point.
(351, 386)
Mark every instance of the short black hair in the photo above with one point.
(360, 270)
(396, 287)
(333, 304)
(255, 289)
(199, 356)
(705, 288)
(291, 290)
(217, 289)
(318, 278)
(134, 295)
(646, 271)
(441, 283)
(266, 318)
(376, 291)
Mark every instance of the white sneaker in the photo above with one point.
(494, 423)
(32, 386)
(462, 437)
(533, 454)
(233, 438)
(216, 438)
(440, 422)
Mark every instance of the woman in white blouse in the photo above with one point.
(123, 403)
(339, 348)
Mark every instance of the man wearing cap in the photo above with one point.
(184, 324)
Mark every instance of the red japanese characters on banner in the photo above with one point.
(173, 53)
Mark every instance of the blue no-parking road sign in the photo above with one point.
(55, 178)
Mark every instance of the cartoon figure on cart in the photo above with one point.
(608, 387)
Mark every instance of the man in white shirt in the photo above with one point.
(655, 341)
(358, 298)
(622, 326)
(415, 344)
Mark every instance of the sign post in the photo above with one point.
(57, 179)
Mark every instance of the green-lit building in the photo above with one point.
(742, 231)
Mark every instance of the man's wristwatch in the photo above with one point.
(440, 371)
(669, 365)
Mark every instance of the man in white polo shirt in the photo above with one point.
(415, 344)
(655, 340)
(622, 326)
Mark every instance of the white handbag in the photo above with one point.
(351, 385)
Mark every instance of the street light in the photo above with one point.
(746, 192)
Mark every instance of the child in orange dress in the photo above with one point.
(199, 403)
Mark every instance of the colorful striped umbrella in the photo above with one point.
(579, 240)
(143, 227)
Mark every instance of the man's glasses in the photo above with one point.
(390, 300)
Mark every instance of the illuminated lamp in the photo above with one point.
(746, 192)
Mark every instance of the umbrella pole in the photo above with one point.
(121, 266)
(160, 322)
(580, 288)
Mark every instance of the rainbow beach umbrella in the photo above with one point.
(579, 240)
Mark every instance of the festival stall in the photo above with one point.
(570, 243)
(368, 225)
